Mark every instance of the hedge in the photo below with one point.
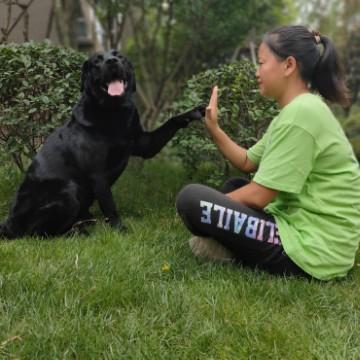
(39, 85)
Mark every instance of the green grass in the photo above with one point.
(107, 296)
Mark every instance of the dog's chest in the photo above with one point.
(117, 155)
(101, 152)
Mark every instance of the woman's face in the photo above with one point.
(270, 73)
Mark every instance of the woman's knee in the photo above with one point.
(188, 205)
(187, 197)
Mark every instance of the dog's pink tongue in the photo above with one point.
(116, 88)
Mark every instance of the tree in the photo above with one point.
(63, 19)
(172, 40)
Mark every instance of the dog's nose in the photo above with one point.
(112, 60)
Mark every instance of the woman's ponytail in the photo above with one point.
(328, 76)
(318, 67)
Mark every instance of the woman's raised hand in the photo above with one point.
(211, 119)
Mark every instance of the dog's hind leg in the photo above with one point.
(46, 208)
(57, 216)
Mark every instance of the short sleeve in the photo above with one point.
(287, 160)
(256, 151)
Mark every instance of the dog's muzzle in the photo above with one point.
(116, 88)
(114, 72)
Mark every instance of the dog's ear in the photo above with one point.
(84, 72)
(133, 83)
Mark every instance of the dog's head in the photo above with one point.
(108, 76)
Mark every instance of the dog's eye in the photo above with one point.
(115, 53)
(98, 59)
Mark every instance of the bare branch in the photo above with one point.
(26, 25)
(120, 31)
(51, 20)
(144, 70)
(166, 51)
(9, 28)
(156, 29)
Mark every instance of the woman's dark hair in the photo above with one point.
(316, 57)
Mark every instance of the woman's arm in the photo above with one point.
(253, 195)
(236, 154)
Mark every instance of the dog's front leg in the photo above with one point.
(148, 144)
(106, 202)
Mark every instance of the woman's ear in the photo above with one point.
(290, 65)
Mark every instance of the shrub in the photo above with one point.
(351, 125)
(39, 84)
(243, 114)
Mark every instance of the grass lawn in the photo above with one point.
(142, 295)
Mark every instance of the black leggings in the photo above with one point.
(252, 235)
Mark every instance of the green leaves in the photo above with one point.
(39, 84)
(243, 114)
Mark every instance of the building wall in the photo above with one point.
(39, 13)
(39, 17)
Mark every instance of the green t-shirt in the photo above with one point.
(305, 155)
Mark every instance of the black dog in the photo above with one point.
(80, 161)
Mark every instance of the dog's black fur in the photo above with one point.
(80, 161)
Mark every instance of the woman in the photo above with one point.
(300, 214)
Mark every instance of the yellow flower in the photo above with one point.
(165, 267)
